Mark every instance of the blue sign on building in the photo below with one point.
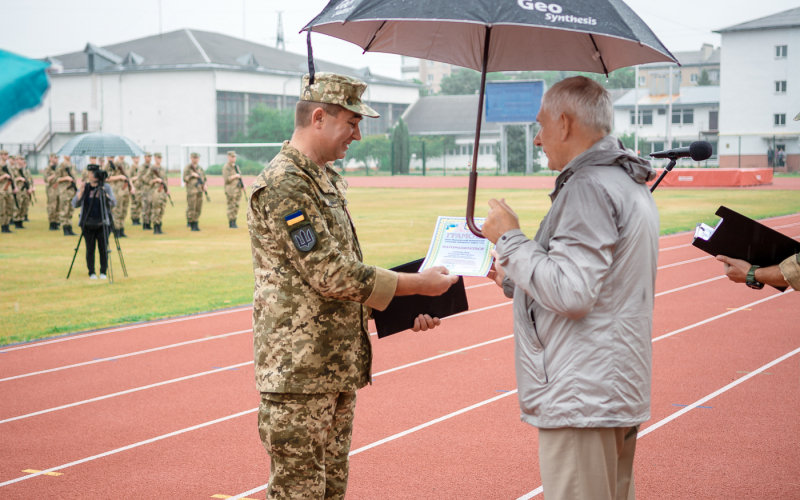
(513, 101)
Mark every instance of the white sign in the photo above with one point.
(456, 248)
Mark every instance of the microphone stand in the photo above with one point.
(667, 169)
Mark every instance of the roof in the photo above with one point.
(445, 115)
(188, 49)
(786, 19)
(617, 93)
(690, 58)
(688, 96)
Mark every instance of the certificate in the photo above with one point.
(456, 248)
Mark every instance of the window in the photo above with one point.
(662, 111)
(676, 116)
(430, 64)
(688, 116)
(780, 51)
(645, 117)
(656, 146)
(713, 75)
(85, 123)
(430, 79)
(713, 120)
(693, 78)
(642, 81)
(780, 119)
(780, 87)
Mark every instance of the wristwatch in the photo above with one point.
(751, 279)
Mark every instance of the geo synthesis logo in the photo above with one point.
(554, 12)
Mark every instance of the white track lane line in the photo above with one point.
(246, 363)
(111, 358)
(398, 435)
(123, 329)
(478, 286)
(667, 266)
(692, 406)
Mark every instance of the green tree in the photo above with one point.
(422, 90)
(400, 148)
(463, 81)
(704, 80)
(515, 139)
(266, 125)
(375, 149)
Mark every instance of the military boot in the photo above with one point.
(146, 226)
(18, 224)
(26, 219)
(5, 229)
(122, 233)
(188, 224)
(232, 224)
(53, 226)
(195, 226)
(68, 231)
(135, 222)
(58, 225)
(157, 229)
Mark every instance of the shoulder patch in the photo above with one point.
(304, 238)
(295, 218)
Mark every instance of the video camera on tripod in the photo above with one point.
(99, 174)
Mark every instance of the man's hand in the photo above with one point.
(497, 273)
(736, 270)
(432, 282)
(500, 220)
(194, 174)
(424, 323)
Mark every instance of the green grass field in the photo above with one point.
(183, 272)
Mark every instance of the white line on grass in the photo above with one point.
(692, 406)
(111, 358)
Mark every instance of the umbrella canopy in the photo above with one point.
(496, 35)
(100, 144)
(23, 82)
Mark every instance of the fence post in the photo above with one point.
(392, 158)
(423, 158)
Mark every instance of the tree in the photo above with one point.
(376, 149)
(400, 148)
(266, 125)
(461, 82)
(704, 80)
(515, 139)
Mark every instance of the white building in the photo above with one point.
(182, 87)
(695, 116)
(761, 91)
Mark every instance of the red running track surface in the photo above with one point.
(438, 422)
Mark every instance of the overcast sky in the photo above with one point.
(37, 28)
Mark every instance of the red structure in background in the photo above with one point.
(717, 177)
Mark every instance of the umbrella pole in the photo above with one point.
(473, 175)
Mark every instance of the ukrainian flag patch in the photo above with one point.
(295, 218)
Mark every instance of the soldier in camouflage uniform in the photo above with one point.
(136, 199)
(8, 192)
(65, 177)
(156, 179)
(145, 190)
(195, 180)
(313, 296)
(49, 175)
(24, 181)
(233, 188)
(120, 184)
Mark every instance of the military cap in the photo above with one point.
(3, 152)
(195, 155)
(231, 152)
(157, 155)
(51, 155)
(148, 153)
(344, 91)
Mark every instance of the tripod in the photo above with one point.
(105, 215)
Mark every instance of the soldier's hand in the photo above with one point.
(432, 282)
(424, 323)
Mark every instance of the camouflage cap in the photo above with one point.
(231, 153)
(3, 152)
(337, 89)
(148, 153)
(195, 155)
(52, 155)
(157, 155)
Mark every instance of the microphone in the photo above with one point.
(698, 151)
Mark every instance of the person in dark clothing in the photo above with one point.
(95, 227)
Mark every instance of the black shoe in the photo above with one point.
(135, 222)
(195, 226)
(232, 224)
(26, 219)
(57, 225)
(18, 224)
(147, 226)
(157, 229)
(5, 229)
(122, 233)
(53, 226)
(68, 231)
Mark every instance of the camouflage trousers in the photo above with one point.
(24, 200)
(307, 437)
(65, 207)
(136, 205)
(119, 212)
(145, 198)
(233, 196)
(6, 207)
(158, 201)
(52, 205)
(194, 206)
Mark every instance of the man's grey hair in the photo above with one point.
(583, 98)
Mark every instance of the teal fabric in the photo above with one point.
(23, 83)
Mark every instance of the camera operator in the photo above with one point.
(91, 220)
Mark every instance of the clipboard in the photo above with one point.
(740, 237)
(401, 312)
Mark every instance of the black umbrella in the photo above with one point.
(496, 35)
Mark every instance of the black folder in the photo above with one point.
(743, 238)
(402, 311)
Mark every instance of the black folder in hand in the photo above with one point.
(740, 237)
(402, 311)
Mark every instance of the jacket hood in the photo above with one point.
(607, 152)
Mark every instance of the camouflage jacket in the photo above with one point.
(140, 174)
(192, 184)
(227, 171)
(48, 171)
(312, 295)
(151, 173)
(790, 269)
(114, 169)
(66, 170)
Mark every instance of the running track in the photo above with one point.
(168, 409)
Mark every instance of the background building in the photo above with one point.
(689, 72)
(430, 73)
(760, 92)
(186, 86)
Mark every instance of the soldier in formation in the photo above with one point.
(8, 193)
(50, 181)
(195, 179)
(123, 189)
(65, 178)
(136, 198)
(155, 181)
(145, 190)
(25, 189)
(234, 187)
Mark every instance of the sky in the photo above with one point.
(38, 28)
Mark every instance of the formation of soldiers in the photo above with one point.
(141, 188)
